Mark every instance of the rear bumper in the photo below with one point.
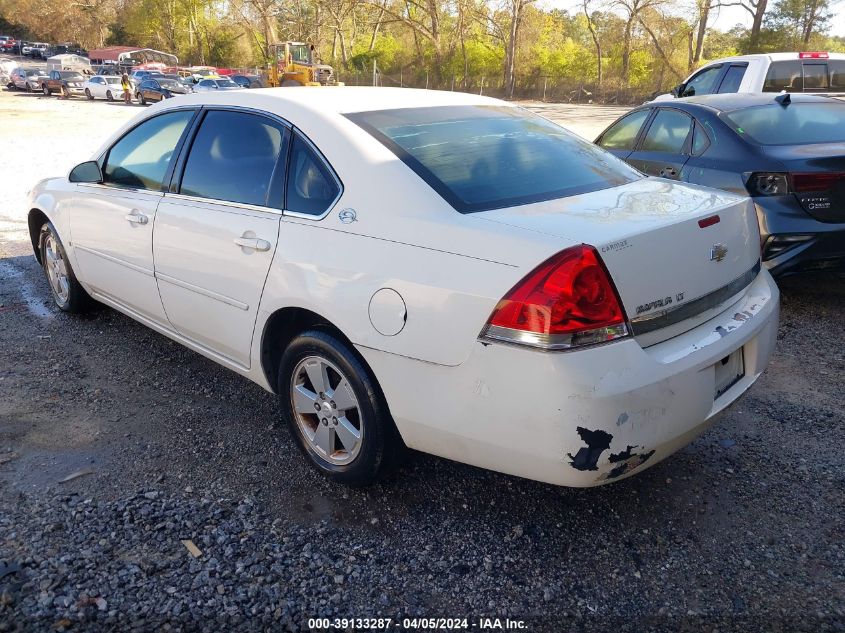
(580, 418)
(784, 216)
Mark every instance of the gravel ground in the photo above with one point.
(740, 531)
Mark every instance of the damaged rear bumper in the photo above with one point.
(580, 418)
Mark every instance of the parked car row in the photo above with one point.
(38, 50)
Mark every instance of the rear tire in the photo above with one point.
(68, 294)
(335, 410)
(140, 97)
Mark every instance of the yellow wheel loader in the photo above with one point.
(292, 64)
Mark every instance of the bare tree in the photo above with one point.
(596, 41)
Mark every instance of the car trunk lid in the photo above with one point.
(678, 254)
(817, 177)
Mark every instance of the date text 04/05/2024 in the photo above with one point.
(417, 624)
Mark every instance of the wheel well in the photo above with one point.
(281, 328)
(36, 220)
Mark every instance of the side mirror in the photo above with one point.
(88, 171)
(677, 90)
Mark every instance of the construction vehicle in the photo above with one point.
(292, 64)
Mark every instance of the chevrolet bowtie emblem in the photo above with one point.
(718, 252)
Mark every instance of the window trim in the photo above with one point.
(102, 159)
(685, 150)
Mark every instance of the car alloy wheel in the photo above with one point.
(56, 268)
(326, 409)
(335, 410)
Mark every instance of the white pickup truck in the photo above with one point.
(808, 72)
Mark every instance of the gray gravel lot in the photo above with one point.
(740, 531)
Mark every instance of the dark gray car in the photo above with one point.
(785, 151)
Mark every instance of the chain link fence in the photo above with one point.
(539, 88)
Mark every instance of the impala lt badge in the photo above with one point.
(718, 252)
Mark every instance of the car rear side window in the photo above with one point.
(234, 157)
(311, 187)
(733, 79)
(795, 124)
(490, 157)
(140, 159)
(623, 134)
(668, 132)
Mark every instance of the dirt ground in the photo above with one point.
(742, 530)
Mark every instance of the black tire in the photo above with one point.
(380, 441)
(77, 300)
(28, 87)
(141, 98)
(65, 92)
(109, 95)
(88, 95)
(45, 90)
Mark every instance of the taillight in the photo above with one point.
(768, 184)
(567, 301)
(821, 181)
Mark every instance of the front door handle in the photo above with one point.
(253, 243)
(136, 217)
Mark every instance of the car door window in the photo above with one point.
(733, 79)
(311, 187)
(140, 159)
(703, 83)
(235, 157)
(206, 83)
(623, 134)
(668, 132)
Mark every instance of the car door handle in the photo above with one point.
(136, 217)
(254, 243)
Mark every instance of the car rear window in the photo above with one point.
(480, 158)
(794, 124)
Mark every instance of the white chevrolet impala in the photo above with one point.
(437, 269)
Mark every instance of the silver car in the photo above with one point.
(212, 85)
(28, 79)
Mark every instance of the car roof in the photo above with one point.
(728, 102)
(348, 99)
(775, 57)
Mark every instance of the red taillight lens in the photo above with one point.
(821, 181)
(568, 300)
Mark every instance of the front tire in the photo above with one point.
(88, 95)
(68, 294)
(335, 410)
(109, 95)
(45, 90)
(65, 92)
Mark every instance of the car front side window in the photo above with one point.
(623, 134)
(140, 159)
(703, 83)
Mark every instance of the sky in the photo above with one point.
(727, 17)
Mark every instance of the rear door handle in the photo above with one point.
(136, 217)
(253, 243)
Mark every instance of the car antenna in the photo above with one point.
(784, 99)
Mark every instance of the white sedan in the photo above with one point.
(434, 269)
(103, 87)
